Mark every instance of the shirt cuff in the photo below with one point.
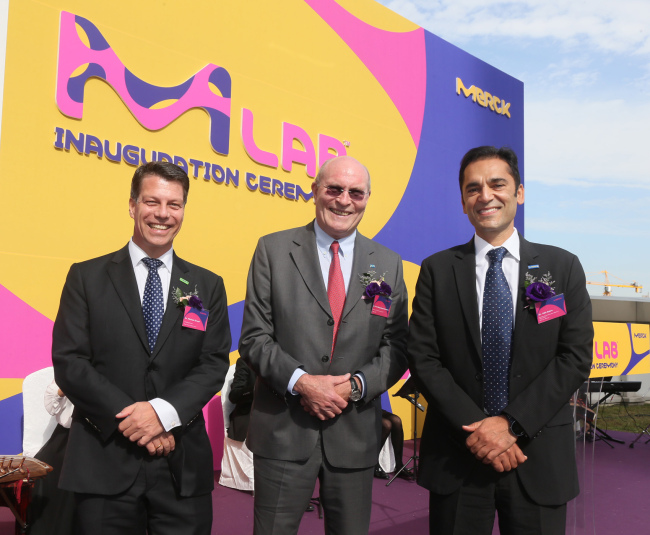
(166, 412)
(363, 383)
(294, 379)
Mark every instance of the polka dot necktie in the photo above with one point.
(335, 290)
(153, 306)
(496, 334)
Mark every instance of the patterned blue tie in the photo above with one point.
(496, 335)
(153, 306)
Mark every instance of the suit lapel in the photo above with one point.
(305, 257)
(120, 271)
(363, 251)
(173, 312)
(528, 255)
(465, 275)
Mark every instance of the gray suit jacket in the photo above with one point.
(288, 324)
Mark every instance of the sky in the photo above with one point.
(585, 66)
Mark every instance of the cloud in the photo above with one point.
(585, 142)
(620, 27)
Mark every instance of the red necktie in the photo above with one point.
(335, 290)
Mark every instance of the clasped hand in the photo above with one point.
(492, 443)
(141, 424)
(324, 396)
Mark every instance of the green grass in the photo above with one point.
(632, 417)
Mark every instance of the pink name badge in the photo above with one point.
(381, 306)
(195, 318)
(550, 309)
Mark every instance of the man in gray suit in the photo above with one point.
(324, 329)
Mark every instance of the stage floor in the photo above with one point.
(614, 482)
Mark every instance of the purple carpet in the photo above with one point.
(615, 483)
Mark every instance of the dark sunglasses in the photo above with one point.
(337, 191)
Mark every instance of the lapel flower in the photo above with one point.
(538, 290)
(191, 299)
(374, 286)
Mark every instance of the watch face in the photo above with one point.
(355, 396)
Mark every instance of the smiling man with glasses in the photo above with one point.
(323, 351)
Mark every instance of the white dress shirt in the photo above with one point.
(58, 406)
(166, 412)
(510, 265)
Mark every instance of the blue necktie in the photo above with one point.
(153, 306)
(496, 335)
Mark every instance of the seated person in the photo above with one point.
(391, 425)
(51, 510)
(241, 394)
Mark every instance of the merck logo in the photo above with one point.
(483, 98)
(154, 107)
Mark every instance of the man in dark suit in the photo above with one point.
(138, 456)
(498, 432)
(323, 355)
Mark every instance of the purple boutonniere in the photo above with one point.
(191, 299)
(538, 290)
(374, 286)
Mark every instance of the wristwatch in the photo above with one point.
(515, 426)
(355, 394)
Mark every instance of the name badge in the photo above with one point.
(550, 309)
(195, 318)
(381, 306)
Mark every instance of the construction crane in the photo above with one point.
(608, 285)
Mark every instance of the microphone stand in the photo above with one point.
(409, 388)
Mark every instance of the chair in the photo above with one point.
(237, 461)
(38, 423)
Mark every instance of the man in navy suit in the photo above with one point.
(138, 456)
(498, 433)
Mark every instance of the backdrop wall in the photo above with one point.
(250, 98)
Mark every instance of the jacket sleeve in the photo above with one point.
(190, 393)
(390, 362)
(93, 395)
(432, 377)
(551, 389)
(258, 345)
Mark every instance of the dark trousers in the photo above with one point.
(151, 505)
(470, 510)
(283, 490)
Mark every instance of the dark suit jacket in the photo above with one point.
(288, 324)
(241, 394)
(102, 362)
(549, 362)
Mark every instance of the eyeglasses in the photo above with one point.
(337, 191)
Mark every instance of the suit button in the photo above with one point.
(330, 321)
(478, 376)
(324, 358)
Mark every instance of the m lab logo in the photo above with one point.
(84, 53)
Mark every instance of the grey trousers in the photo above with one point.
(283, 490)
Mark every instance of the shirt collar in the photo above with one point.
(137, 254)
(481, 247)
(324, 240)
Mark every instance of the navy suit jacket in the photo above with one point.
(103, 364)
(549, 362)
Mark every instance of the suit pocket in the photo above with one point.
(563, 417)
